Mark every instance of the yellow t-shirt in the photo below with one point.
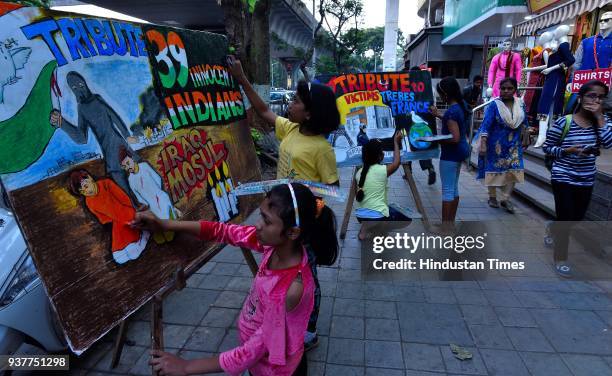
(374, 189)
(304, 157)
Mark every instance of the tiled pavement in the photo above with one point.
(519, 327)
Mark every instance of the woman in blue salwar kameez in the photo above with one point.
(500, 161)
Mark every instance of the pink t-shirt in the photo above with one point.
(272, 339)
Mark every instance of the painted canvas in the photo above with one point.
(101, 118)
(375, 105)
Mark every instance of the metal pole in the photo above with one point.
(427, 23)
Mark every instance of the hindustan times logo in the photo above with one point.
(412, 244)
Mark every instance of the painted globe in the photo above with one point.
(419, 130)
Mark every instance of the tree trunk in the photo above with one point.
(258, 55)
(249, 34)
(259, 50)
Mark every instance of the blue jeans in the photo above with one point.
(394, 216)
(449, 176)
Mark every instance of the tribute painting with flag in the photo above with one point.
(85, 142)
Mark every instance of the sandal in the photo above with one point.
(508, 206)
(549, 242)
(431, 178)
(493, 202)
(564, 270)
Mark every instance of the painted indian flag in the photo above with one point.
(24, 136)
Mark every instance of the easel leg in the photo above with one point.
(157, 334)
(250, 260)
(349, 205)
(119, 342)
(415, 194)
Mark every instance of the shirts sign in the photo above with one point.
(583, 76)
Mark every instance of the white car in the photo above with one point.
(26, 315)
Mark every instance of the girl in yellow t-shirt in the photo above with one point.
(304, 152)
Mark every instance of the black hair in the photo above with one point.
(585, 89)
(370, 155)
(74, 180)
(320, 101)
(449, 89)
(317, 232)
(512, 81)
(590, 85)
(477, 78)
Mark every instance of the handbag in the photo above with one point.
(525, 138)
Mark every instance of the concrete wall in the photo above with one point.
(437, 52)
(476, 62)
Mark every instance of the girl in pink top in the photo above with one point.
(275, 315)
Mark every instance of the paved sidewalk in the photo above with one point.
(520, 327)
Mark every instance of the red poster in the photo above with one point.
(583, 76)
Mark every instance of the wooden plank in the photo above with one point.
(157, 335)
(119, 342)
(349, 205)
(250, 260)
(415, 194)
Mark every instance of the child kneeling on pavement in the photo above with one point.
(372, 184)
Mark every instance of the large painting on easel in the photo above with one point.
(101, 118)
(376, 104)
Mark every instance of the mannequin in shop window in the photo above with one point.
(503, 65)
(536, 79)
(596, 52)
(551, 100)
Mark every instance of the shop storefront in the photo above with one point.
(581, 14)
(581, 19)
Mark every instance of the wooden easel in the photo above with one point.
(179, 282)
(413, 188)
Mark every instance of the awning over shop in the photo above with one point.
(556, 16)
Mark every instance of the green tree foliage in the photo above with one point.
(352, 47)
(360, 50)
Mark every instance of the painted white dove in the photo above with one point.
(10, 61)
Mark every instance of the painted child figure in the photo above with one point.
(110, 204)
(148, 187)
(275, 315)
